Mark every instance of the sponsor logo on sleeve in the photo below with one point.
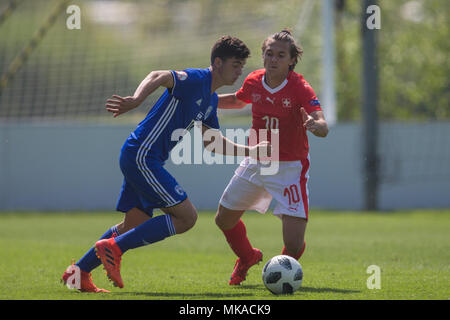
(314, 102)
(181, 75)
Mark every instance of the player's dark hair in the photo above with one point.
(229, 47)
(295, 50)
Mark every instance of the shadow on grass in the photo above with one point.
(216, 295)
(303, 289)
(326, 290)
(185, 295)
(320, 290)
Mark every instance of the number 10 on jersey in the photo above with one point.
(271, 122)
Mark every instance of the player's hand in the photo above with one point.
(261, 150)
(308, 122)
(118, 105)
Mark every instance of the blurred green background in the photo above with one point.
(71, 72)
(62, 82)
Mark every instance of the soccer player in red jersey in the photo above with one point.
(285, 104)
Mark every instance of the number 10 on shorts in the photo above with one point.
(292, 193)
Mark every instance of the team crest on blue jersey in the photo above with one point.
(179, 190)
(181, 75)
(314, 102)
(199, 116)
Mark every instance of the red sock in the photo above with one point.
(238, 241)
(298, 255)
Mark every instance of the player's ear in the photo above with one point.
(218, 62)
(292, 64)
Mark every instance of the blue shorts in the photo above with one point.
(147, 185)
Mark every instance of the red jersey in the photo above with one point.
(279, 108)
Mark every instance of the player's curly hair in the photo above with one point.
(286, 35)
(229, 47)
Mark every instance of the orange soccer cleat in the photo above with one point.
(110, 255)
(241, 268)
(85, 283)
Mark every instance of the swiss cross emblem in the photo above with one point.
(286, 102)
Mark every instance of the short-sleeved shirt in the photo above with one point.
(189, 100)
(279, 108)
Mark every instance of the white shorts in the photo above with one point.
(249, 190)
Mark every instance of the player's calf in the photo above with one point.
(294, 251)
(293, 235)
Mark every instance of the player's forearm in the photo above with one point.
(229, 148)
(233, 149)
(224, 146)
(230, 101)
(321, 129)
(215, 142)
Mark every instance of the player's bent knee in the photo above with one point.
(226, 219)
(192, 220)
(218, 220)
(221, 221)
(186, 223)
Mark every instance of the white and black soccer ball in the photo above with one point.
(282, 275)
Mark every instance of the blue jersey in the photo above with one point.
(189, 100)
(147, 184)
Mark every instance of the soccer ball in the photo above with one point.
(282, 275)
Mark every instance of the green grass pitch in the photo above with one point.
(412, 249)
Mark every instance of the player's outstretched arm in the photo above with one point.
(155, 79)
(230, 101)
(215, 142)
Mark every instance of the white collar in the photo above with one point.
(274, 90)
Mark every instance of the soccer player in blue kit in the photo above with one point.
(190, 96)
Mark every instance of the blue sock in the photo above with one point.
(153, 230)
(90, 261)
